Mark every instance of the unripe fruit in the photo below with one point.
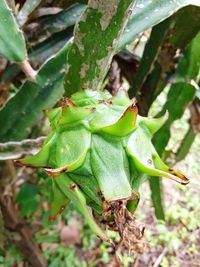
(98, 153)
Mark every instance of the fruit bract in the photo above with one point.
(98, 153)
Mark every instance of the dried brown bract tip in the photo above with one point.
(118, 218)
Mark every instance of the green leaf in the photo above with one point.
(27, 191)
(33, 98)
(149, 13)
(102, 22)
(50, 25)
(12, 43)
(27, 200)
(40, 52)
(157, 197)
(184, 32)
(151, 80)
(153, 85)
(180, 94)
(186, 144)
(189, 65)
(108, 163)
(44, 50)
(150, 55)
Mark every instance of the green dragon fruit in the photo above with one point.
(98, 153)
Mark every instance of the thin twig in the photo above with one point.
(28, 70)
(159, 259)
